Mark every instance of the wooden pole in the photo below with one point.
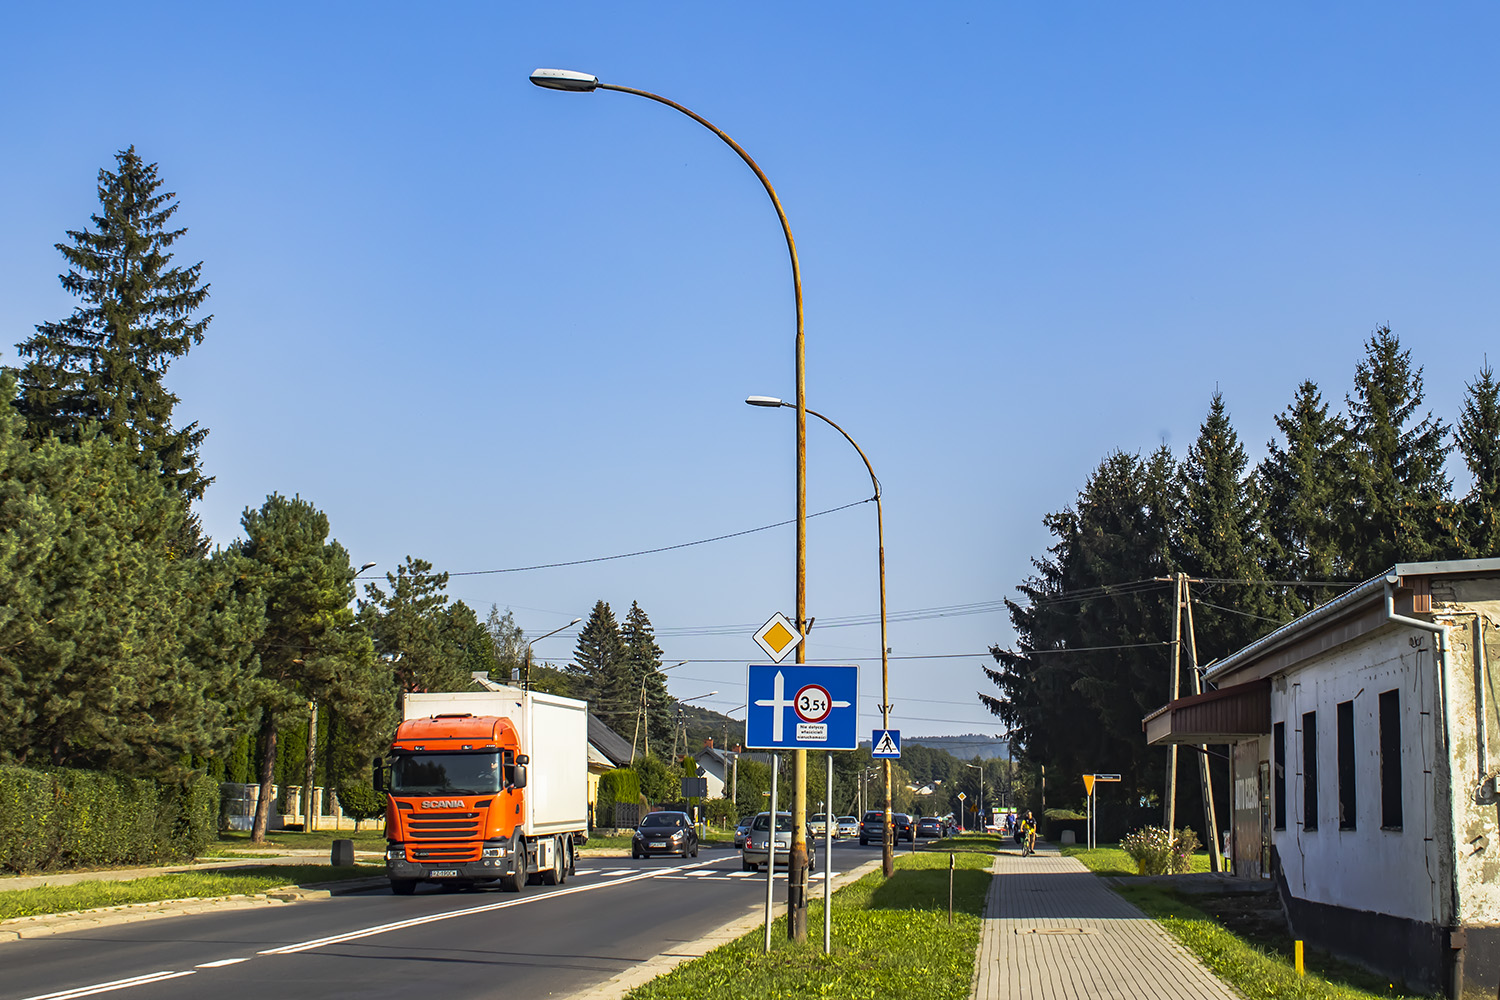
(1171, 697)
(1205, 775)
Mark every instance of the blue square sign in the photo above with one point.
(802, 706)
(885, 743)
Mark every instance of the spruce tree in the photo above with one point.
(643, 657)
(1220, 536)
(409, 627)
(600, 665)
(313, 647)
(1479, 443)
(1400, 510)
(106, 362)
(1306, 484)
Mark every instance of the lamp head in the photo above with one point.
(764, 401)
(564, 79)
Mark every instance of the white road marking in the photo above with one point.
(118, 984)
(435, 917)
(222, 962)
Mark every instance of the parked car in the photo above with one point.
(741, 832)
(870, 828)
(930, 826)
(665, 833)
(753, 854)
(848, 826)
(818, 825)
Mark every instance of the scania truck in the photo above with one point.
(485, 786)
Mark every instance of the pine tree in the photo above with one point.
(105, 363)
(466, 644)
(1400, 511)
(408, 627)
(1306, 485)
(1220, 535)
(601, 668)
(312, 647)
(643, 657)
(1479, 443)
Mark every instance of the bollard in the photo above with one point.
(951, 858)
(342, 855)
(1297, 949)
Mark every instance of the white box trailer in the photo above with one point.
(554, 733)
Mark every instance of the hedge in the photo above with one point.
(61, 818)
(619, 785)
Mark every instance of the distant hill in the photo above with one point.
(962, 747)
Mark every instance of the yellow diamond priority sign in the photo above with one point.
(778, 637)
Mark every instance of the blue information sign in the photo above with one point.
(885, 743)
(802, 706)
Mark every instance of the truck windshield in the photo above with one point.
(445, 774)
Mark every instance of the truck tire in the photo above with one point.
(516, 880)
(403, 886)
(558, 873)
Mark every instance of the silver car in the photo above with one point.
(757, 846)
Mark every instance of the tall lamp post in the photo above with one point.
(888, 858)
(526, 671)
(571, 80)
(640, 714)
(308, 813)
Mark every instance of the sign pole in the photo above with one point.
(771, 847)
(828, 828)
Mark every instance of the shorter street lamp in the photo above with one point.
(640, 713)
(682, 724)
(526, 673)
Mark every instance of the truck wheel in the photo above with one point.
(558, 873)
(516, 880)
(403, 886)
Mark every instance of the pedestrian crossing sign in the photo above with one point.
(885, 743)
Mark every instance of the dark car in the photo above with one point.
(870, 828)
(930, 826)
(741, 832)
(665, 833)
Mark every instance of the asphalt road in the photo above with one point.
(548, 941)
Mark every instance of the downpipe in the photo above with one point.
(1454, 937)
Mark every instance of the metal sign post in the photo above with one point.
(828, 828)
(771, 847)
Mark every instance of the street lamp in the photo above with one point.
(526, 673)
(888, 852)
(640, 713)
(572, 80)
(308, 813)
(681, 725)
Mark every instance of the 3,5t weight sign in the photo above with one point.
(813, 703)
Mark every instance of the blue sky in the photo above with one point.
(493, 326)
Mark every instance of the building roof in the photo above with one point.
(608, 742)
(723, 757)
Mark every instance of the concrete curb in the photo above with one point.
(46, 924)
(623, 983)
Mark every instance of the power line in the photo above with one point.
(663, 548)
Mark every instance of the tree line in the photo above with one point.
(1338, 497)
(128, 643)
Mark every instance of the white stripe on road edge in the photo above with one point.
(118, 984)
(222, 962)
(434, 918)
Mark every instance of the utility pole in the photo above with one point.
(1171, 697)
(1205, 775)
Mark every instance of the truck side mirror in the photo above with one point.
(520, 781)
(522, 759)
(377, 774)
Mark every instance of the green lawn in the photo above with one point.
(230, 842)
(1108, 859)
(94, 894)
(890, 939)
(1260, 973)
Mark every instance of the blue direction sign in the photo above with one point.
(886, 743)
(802, 706)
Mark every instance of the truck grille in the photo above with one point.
(443, 826)
(433, 854)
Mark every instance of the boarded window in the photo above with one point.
(1348, 801)
(1310, 771)
(1390, 760)
(1278, 767)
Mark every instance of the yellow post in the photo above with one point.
(1298, 948)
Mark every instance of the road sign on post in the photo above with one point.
(778, 637)
(804, 706)
(886, 743)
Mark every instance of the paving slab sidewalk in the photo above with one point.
(1054, 931)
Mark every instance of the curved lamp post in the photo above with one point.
(640, 713)
(888, 837)
(526, 673)
(573, 81)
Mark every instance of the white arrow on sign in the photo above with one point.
(778, 703)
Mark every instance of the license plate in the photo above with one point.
(445, 873)
(657, 843)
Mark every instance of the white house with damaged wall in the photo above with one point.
(1364, 762)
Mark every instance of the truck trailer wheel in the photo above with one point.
(403, 886)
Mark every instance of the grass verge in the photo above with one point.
(155, 888)
(231, 841)
(1108, 859)
(1260, 973)
(890, 939)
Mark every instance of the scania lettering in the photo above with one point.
(485, 786)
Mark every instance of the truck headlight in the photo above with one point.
(396, 854)
(493, 852)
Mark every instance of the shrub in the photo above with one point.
(360, 800)
(619, 785)
(63, 818)
(1157, 853)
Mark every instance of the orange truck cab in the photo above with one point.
(465, 801)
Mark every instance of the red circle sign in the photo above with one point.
(813, 703)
